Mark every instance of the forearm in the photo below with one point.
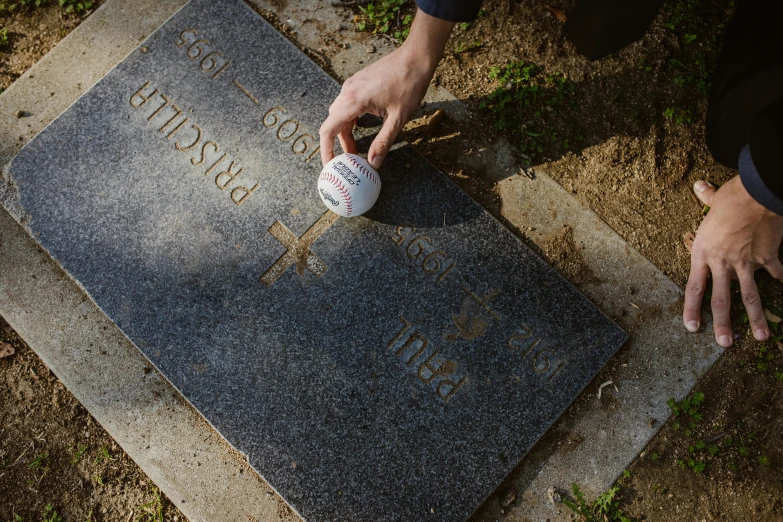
(427, 40)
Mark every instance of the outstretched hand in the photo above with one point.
(391, 88)
(737, 237)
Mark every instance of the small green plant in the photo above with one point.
(11, 7)
(103, 456)
(679, 115)
(4, 38)
(39, 461)
(50, 514)
(764, 460)
(698, 446)
(698, 466)
(659, 489)
(81, 449)
(69, 6)
(464, 26)
(389, 17)
(697, 24)
(76, 6)
(604, 509)
(522, 101)
(461, 47)
(97, 478)
(687, 406)
(654, 456)
(779, 376)
(152, 511)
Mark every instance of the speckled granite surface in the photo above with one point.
(392, 367)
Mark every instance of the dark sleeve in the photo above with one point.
(766, 150)
(755, 185)
(451, 10)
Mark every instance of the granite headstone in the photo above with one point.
(391, 367)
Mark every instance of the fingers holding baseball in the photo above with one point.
(339, 123)
(385, 139)
(347, 141)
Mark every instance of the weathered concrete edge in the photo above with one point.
(170, 441)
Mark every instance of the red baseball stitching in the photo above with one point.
(364, 170)
(331, 178)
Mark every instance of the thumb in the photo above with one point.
(384, 140)
(704, 191)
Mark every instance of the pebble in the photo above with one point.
(370, 49)
(509, 498)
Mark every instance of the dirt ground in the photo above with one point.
(611, 143)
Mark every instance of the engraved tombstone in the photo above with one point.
(391, 367)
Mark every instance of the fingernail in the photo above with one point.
(692, 326)
(761, 335)
(700, 186)
(724, 340)
(376, 162)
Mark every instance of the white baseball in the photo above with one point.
(348, 185)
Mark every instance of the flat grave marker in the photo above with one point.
(395, 366)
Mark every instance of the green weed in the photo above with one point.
(521, 102)
(39, 461)
(462, 47)
(389, 17)
(152, 511)
(103, 456)
(11, 7)
(50, 514)
(698, 466)
(81, 449)
(679, 115)
(697, 24)
(659, 489)
(687, 406)
(76, 6)
(4, 41)
(69, 6)
(604, 509)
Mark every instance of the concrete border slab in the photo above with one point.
(591, 444)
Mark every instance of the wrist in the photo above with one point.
(426, 41)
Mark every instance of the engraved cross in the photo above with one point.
(298, 249)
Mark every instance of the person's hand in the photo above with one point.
(737, 237)
(391, 88)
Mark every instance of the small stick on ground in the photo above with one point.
(557, 13)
